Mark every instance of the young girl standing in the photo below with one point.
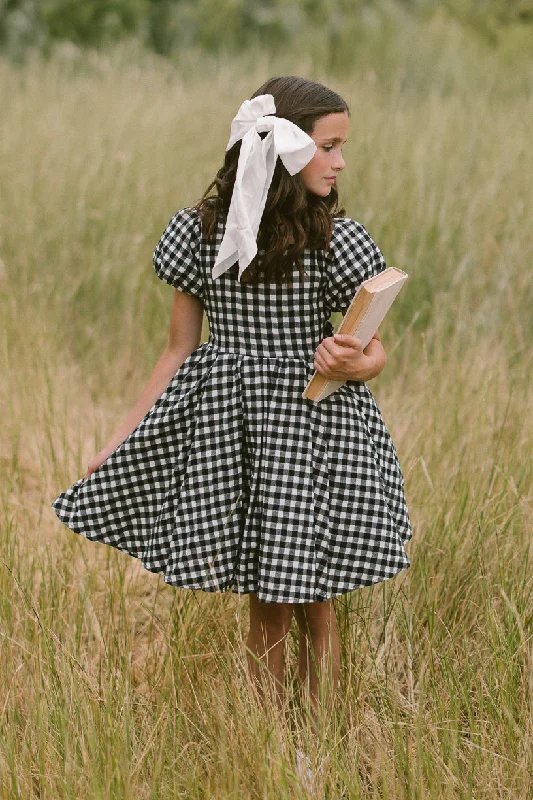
(223, 476)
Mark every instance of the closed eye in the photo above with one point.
(329, 147)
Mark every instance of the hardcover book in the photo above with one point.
(362, 318)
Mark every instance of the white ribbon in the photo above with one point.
(255, 170)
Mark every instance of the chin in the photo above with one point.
(321, 191)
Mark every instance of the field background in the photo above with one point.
(114, 685)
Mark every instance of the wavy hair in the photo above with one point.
(293, 218)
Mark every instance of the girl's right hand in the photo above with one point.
(96, 462)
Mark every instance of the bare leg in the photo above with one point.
(269, 625)
(319, 653)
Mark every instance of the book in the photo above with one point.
(362, 318)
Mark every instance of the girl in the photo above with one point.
(223, 476)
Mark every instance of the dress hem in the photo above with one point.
(235, 588)
(231, 587)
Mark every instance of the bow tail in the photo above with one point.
(255, 170)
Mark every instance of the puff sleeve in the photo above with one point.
(176, 257)
(353, 257)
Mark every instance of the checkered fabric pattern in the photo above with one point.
(232, 480)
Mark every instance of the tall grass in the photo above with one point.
(115, 685)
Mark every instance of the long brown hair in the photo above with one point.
(293, 218)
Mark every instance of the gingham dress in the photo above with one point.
(232, 480)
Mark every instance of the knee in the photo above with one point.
(272, 620)
(315, 619)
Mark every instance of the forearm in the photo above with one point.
(165, 369)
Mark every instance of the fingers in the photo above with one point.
(334, 351)
(331, 372)
(327, 356)
(328, 362)
(346, 340)
(340, 341)
(337, 359)
(320, 365)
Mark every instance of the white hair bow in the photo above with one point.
(255, 170)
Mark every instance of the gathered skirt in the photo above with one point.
(233, 481)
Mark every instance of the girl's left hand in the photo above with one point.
(341, 357)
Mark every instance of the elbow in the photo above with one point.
(382, 360)
(178, 353)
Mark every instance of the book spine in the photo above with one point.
(321, 387)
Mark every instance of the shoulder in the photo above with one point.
(349, 236)
(182, 233)
(183, 230)
(353, 252)
(186, 221)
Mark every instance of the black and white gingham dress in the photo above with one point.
(232, 480)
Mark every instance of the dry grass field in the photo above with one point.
(114, 685)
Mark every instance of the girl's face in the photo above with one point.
(329, 134)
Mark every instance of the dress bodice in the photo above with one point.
(268, 320)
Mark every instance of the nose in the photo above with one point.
(339, 162)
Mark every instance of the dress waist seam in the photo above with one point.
(306, 358)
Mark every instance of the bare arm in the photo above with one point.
(184, 337)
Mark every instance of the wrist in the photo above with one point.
(370, 368)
